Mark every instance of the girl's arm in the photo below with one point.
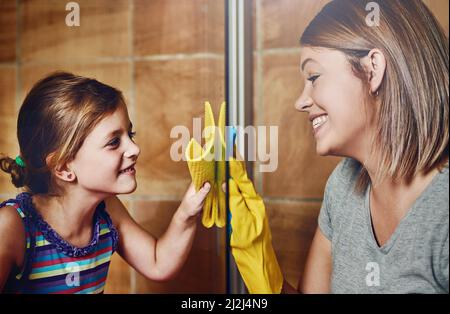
(158, 259)
(12, 242)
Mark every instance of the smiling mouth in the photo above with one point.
(128, 170)
(319, 121)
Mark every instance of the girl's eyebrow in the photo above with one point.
(116, 132)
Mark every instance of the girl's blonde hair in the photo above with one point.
(54, 120)
(412, 121)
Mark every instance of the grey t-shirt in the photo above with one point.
(415, 258)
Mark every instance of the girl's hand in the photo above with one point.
(192, 203)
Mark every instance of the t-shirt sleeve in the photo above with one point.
(443, 266)
(339, 184)
(324, 220)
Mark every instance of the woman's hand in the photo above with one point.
(251, 239)
(192, 203)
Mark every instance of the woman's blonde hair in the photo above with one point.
(54, 120)
(412, 121)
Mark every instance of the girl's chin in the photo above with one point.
(129, 189)
(132, 190)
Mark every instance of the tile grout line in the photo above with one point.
(162, 57)
(142, 198)
(293, 200)
(259, 68)
(150, 198)
(276, 51)
(7, 65)
(133, 116)
(18, 55)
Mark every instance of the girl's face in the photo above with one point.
(334, 99)
(105, 153)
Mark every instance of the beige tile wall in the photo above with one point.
(8, 31)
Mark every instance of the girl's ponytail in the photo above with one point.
(16, 169)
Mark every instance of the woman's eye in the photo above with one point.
(132, 135)
(313, 78)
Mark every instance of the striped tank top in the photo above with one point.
(52, 265)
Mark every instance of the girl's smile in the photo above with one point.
(128, 171)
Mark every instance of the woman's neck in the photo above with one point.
(398, 195)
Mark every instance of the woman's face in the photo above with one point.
(334, 99)
(106, 151)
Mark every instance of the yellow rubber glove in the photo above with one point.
(251, 239)
(206, 164)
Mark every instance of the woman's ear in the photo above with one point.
(375, 66)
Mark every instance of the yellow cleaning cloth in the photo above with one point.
(208, 164)
(251, 239)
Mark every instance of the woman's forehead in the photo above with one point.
(321, 57)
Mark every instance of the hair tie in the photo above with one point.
(20, 162)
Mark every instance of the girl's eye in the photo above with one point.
(313, 78)
(114, 142)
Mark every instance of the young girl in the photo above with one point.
(379, 96)
(76, 153)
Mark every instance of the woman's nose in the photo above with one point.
(304, 102)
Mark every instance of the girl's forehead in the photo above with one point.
(113, 122)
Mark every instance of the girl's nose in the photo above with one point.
(133, 150)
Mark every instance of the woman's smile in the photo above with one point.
(318, 122)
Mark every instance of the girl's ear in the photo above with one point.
(65, 173)
(375, 65)
(61, 171)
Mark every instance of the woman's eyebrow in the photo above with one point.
(306, 61)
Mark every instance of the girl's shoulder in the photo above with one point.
(12, 234)
(116, 210)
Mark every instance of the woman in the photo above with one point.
(378, 95)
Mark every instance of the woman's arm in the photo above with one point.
(158, 259)
(12, 242)
(317, 274)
